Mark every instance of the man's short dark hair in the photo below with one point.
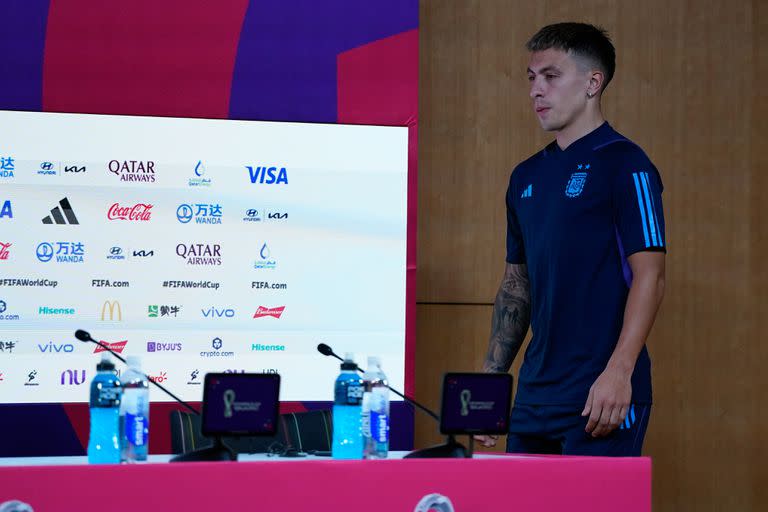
(581, 39)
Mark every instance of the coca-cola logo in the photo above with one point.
(137, 212)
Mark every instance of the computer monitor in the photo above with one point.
(476, 403)
(240, 404)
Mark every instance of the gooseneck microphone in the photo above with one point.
(86, 336)
(328, 351)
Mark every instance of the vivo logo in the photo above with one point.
(51, 348)
(213, 312)
(71, 377)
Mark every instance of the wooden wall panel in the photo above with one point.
(689, 89)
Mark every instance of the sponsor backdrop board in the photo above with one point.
(336, 61)
(198, 245)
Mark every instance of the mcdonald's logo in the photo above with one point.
(111, 306)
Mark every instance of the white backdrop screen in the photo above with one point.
(199, 245)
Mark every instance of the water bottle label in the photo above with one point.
(379, 427)
(136, 429)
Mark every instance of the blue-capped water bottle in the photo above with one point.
(135, 413)
(106, 394)
(347, 435)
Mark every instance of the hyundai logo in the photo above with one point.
(116, 251)
(46, 166)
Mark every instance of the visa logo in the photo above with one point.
(6, 211)
(218, 313)
(268, 175)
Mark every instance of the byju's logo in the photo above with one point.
(6, 210)
(216, 344)
(4, 252)
(157, 311)
(156, 346)
(72, 377)
(56, 216)
(273, 312)
(55, 348)
(265, 260)
(193, 378)
(3, 314)
(117, 346)
(133, 170)
(199, 180)
(268, 175)
(116, 253)
(7, 166)
(112, 310)
(140, 212)
(31, 379)
(201, 213)
(214, 312)
(200, 254)
(65, 252)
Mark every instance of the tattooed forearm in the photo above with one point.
(511, 317)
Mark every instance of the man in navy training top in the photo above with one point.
(585, 263)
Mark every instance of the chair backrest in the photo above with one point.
(304, 431)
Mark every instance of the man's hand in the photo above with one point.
(608, 401)
(487, 441)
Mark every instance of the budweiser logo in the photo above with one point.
(117, 346)
(273, 312)
(4, 250)
(141, 212)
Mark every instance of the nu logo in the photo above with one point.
(111, 306)
(56, 216)
(72, 378)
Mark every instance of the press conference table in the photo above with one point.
(261, 483)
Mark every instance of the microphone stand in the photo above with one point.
(449, 450)
(219, 450)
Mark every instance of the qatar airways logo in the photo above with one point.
(133, 170)
(273, 312)
(137, 212)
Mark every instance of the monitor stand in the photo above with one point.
(218, 452)
(450, 450)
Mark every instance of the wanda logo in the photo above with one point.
(137, 212)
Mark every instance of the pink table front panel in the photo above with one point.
(540, 484)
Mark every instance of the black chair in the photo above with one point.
(310, 431)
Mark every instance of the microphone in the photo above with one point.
(328, 351)
(85, 336)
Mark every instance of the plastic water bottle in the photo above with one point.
(106, 392)
(375, 412)
(347, 435)
(134, 413)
